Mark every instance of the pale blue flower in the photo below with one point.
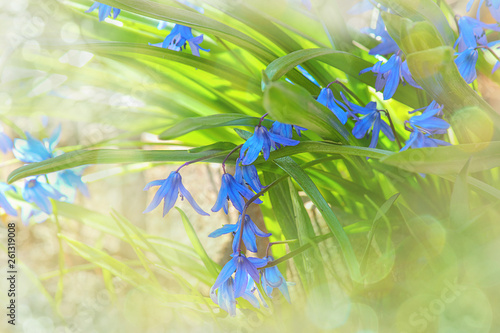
(177, 39)
(104, 11)
(33, 150)
(39, 192)
(272, 278)
(4, 203)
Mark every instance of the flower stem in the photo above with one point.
(230, 153)
(262, 118)
(197, 160)
(393, 128)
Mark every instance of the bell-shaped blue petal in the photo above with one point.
(235, 192)
(39, 193)
(169, 191)
(4, 203)
(338, 108)
(272, 278)
(104, 10)
(466, 63)
(178, 37)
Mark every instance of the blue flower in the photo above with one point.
(178, 37)
(493, 6)
(250, 230)
(272, 278)
(28, 213)
(39, 193)
(262, 140)
(307, 75)
(339, 109)
(33, 150)
(104, 11)
(466, 63)
(387, 44)
(69, 181)
(5, 142)
(371, 119)
(169, 190)
(245, 268)
(230, 189)
(4, 203)
(250, 297)
(285, 130)
(425, 125)
(247, 174)
(225, 296)
(389, 74)
(427, 122)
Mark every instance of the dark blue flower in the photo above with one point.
(272, 278)
(69, 181)
(285, 130)
(420, 140)
(230, 189)
(371, 119)
(169, 190)
(262, 140)
(39, 193)
(4, 203)
(250, 230)
(390, 73)
(178, 37)
(5, 142)
(245, 268)
(104, 11)
(33, 150)
(339, 109)
(247, 174)
(493, 6)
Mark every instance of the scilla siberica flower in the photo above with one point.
(272, 278)
(104, 11)
(33, 150)
(5, 142)
(425, 125)
(262, 140)
(285, 130)
(169, 190)
(247, 174)
(250, 230)
(371, 119)
(390, 73)
(231, 190)
(69, 181)
(339, 109)
(39, 193)
(493, 6)
(178, 37)
(228, 288)
(4, 203)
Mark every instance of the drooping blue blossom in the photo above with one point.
(39, 192)
(390, 74)
(245, 268)
(371, 120)
(247, 174)
(272, 278)
(262, 140)
(466, 63)
(493, 7)
(387, 45)
(339, 109)
(170, 189)
(231, 190)
(5, 142)
(285, 130)
(178, 37)
(225, 296)
(104, 11)
(4, 203)
(250, 230)
(33, 150)
(423, 126)
(69, 181)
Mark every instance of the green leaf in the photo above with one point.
(211, 266)
(113, 156)
(285, 101)
(298, 174)
(447, 159)
(217, 120)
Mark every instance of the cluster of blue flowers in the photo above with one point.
(241, 275)
(37, 190)
(176, 40)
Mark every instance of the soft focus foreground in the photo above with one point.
(345, 152)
